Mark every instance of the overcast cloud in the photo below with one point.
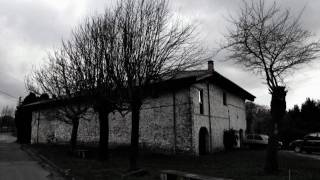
(31, 28)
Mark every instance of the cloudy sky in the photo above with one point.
(29, 29)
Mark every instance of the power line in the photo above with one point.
(7, 94)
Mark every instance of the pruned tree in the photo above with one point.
(88, 68)
(270, 41)
(90, 52)
(116, 57)
(57, 78)
(148, 46)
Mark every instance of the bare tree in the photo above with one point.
(56, 78)
(7, 117)
(90, 54)
(270, 41)
(115, 58)
(84, 65)
(7, 111)
(148, 46)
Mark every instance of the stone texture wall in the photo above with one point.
(159, 130)
(221, 116)
(47, 126)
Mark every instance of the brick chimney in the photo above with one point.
(210, 66)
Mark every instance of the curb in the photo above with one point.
(65, 173)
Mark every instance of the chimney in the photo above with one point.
(210, 66)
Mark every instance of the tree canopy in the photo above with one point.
(270, 40)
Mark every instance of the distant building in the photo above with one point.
(187, 115)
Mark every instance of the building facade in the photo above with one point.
(188, 115)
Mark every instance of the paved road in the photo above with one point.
(312, 156)
(16, 164)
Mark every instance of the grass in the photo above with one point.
(238, 165)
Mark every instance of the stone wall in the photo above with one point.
(222, 117)
(47, 126)
(161, 130)
(165, 123)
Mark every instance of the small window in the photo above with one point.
(224, 98)
(200, 93)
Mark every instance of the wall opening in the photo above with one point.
(224, 98)
(203, 141)
(200, 93)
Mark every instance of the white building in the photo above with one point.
(186, 114)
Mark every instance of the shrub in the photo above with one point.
(229, 139)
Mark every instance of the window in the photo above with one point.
(224, 98)
(200, 93)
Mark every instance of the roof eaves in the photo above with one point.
(215, 75)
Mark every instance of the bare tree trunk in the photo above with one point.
(134, 135)
(271, 165)
(104, 134)
(74, 133)
(278, 109)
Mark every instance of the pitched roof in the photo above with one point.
(215, 78)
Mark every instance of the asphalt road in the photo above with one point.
(315, 156)
(15, 164)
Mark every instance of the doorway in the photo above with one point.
(203, 141)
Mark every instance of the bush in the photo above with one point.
(229, 139)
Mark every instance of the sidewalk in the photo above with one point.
(15, 164)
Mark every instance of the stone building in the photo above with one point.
(187, 115)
